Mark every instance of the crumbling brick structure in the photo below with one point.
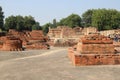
(94, 49)
(62, 35)
(11, 43)
(30, 39)
(37, 40)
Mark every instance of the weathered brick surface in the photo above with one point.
(37, 46)
(64, 36)
(94, 59)
(93, 53)
(95, 44)
(11, 44)
(37, 40)
(30, 39)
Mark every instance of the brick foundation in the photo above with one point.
(94, 50)
(93, 59)
(11, 43)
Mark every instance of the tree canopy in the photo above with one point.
(21, 23)
(72, 21)
(1, 18)
(105, 19)
(45, 27)
(87, 18)
(102, 19)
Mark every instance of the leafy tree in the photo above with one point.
(29, 22)
(14, 22)
(105, 19)
(115, 19)
(10, 22)
(87, 18)
(1, 18)
(71, 21)
(36, 26)
(19, 23)
(54, 23)
(61, 23)
(45, 28)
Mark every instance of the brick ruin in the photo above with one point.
(65, 36)
(37, 40)
(30, 39)
(62, 36)
(11, 43)
(94, 49)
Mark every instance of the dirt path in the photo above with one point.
(54, 65)
(35, 56)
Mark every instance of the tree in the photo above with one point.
(87, 18)
(10, 22)
(21, 23)
(36, 26)
(54, 23)
(72, 21)
(105, 19)
(14, 22)
(45, 28)
(1, 18)
(29, 22)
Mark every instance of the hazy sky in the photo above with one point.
(46, 10)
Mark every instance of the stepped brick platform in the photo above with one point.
(37, 46)
(31, 39)
(11, 43)
(37, 40)
(94, 49)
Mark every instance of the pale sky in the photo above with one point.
(45, 11)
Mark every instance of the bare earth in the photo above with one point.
(50, 64)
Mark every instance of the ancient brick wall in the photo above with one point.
(89, 30)
(38, 46)
(64, 34)
(94, 59)
(12, 44)
(29, 39)
(95, 44)
(54, 33)
(94, 50)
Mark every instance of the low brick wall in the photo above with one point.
(12, 44)
(37, 46)
(93, 59)
(94, 49)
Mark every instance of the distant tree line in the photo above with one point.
(102, 19)
(72, 21)
(18, 22)
(21, 23)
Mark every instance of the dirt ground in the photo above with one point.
(50, 64)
